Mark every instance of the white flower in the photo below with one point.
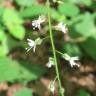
(37, 23)
(52, 86)
(71, 60)
(50, 62)
(32, 44)
(62, 27)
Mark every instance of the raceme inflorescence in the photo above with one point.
(61, 26)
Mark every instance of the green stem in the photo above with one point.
(53, 48)
(59, 52)
(45, 37)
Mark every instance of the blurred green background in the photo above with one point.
(18, 66)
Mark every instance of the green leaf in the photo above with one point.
(89, 46)
(72, 49)
(13, 22)
(1, 11)
(9, 70)
(24, 92)
(86, 27)
(13, 70)
(31, 71)
(2, 35)
(25, 2)
(57, 16)
(68, 9)
(34, 10)
(17, 31)
(83, 93)
(3, 46)
(9, 43)
(3, 51)
(10, 16)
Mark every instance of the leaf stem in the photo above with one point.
(54, 51)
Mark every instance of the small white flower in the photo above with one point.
(32, 44)
(71, 60)
(50, 62)
(52, 86)
(37, 23)
(62, 27)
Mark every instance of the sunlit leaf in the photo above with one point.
(11, 16)
(2, 35)
(17, 31)
(68, 9)
(9, 70)
(33, 11)
(86, 26)
(13, 22)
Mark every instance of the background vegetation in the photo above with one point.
(20, 69)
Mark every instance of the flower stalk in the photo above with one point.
(54, 50)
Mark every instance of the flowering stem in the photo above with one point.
(46, 37)
(59, 52)
(54, 51)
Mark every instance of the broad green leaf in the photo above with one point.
(3, 46)
(17, 31)
(31, 71)
(57, 16)
(13, 22)
(68, 9)
(25, 2)
(9, 70)
(3, 51)
(1, 11)
(89, 46)
(2, 35)
(24, 92)
(10, 16)
(34, 10)
(72, 49)
(86, 27)
(83, 93)
(7, 44)
(13, 70)
(10, 43)
(93, 6)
